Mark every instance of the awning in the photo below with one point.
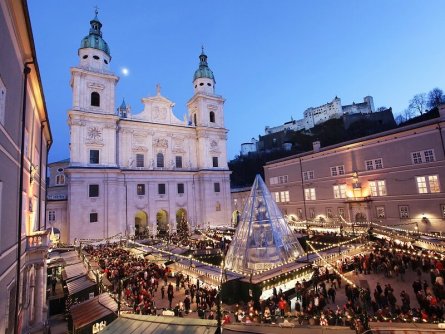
(72, 271)
(81, 284)
(92, 311)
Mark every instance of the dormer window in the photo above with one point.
(95, 99)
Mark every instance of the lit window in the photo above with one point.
(94, 157)
(51, 216)
(284, 195)
(276, 196)
(377, 188)
(161, 188)
(434, 183)
(60, 180)
(216, 187)
(403, 211)
(273, 180)
(337, 170)
(423, 156)
(309, 194)
(309, 175)
(341, 212)
(160, 160)
(139, 160)
(380, 212)
(93, 217)
(329, 212)
(311, 213)
(93, 190)
(178, 161)
(340, 191)
(140, 189)
(428, 184)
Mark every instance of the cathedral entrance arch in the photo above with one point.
(140, 223)
(162, 223)
(182, 225)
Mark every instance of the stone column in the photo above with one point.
(40, 293)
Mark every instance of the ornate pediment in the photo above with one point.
(160, 143)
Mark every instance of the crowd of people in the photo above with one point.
(139, 282)
(314, 302)
(142, 282)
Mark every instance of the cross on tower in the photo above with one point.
(96, 9)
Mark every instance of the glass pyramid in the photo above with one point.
(263, 239)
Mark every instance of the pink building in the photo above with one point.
(396, 177)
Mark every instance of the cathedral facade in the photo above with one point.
(146, 172)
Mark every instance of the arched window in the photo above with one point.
(60, 179)
(160, 160)
(95, 99)
(212, 117)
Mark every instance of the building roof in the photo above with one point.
(94, 38)
(92, 310)
(63, 161)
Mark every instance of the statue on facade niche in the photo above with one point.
(131, 162)
(152, 164)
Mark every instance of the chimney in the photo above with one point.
(316, 146)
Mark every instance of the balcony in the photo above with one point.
(37, 241)
(352, 199)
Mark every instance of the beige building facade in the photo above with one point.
(395, 177)
(25, 138)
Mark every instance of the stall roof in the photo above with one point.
(134, 324)
(74, 270)
(92, 310)
(79, 284)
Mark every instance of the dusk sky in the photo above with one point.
(271, 59)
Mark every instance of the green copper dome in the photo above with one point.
(203, 71)
(94, 39)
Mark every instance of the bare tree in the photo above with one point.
(408, 114)
(382, 108)
(418, 103)
(399, 119)
(435, 98)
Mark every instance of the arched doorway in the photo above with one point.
(162, 223)
(360, 217)
(140, 224)
(182, 225)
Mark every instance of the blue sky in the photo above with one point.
(271, 59)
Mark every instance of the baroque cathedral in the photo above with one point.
(147, 172)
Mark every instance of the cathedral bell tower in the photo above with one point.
(206, 113)
(92, 118)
